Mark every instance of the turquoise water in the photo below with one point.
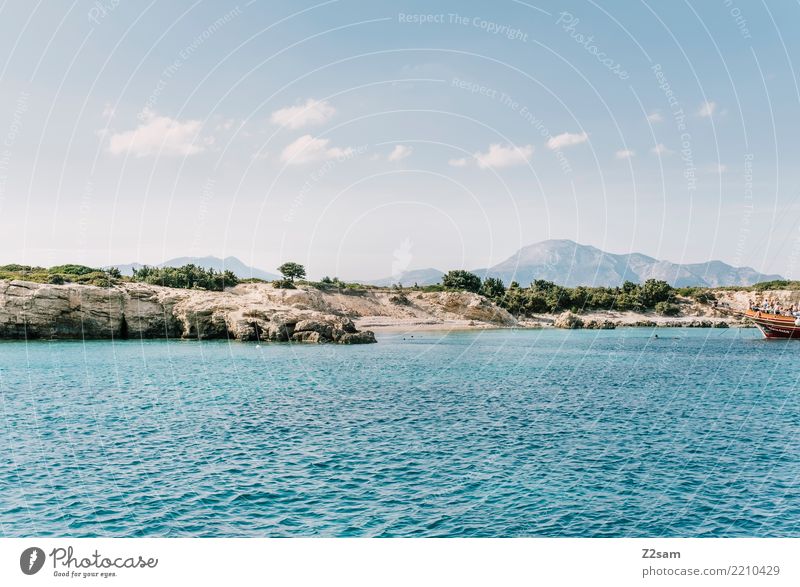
(493, 433)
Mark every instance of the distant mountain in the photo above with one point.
(567, 263)
(564, 262)
(717, 273)
(230, 263)
(408, 278)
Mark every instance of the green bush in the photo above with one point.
(60, 274)
(493, 289)
(400, 299)
(186, 277)
(777, 284)
(73, 269)
(98, 279)
(547, 297)
(700, 294)
(16, 268)
(462, 281)
(667, 309)
(283, 284)
(653, 291)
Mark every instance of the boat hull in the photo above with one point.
(774, 325)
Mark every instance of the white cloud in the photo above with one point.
(566, 140)
(660, 149)
(655, 117)
(108, 111)
(500, 156)
(226, 124)
(624, 154)
(400, 152)
(160, 135)
(308, 148)
(707, 109)
(312, 113)
(462, 162)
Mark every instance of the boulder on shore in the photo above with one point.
(568, 320)
(336, 329)
(600, 325)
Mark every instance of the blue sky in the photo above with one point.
(364, 138)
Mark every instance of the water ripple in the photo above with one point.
(470, 434)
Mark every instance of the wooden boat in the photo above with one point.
(774, 325)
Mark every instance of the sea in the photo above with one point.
(489, 433)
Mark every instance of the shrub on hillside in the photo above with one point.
(462, 281)
(493, 289)
(400, 299)
(73, 269)
(186, 277)
(283, 284)
(547, 297)
(667, 309)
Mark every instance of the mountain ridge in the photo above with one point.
(571, 264)
(561, 261)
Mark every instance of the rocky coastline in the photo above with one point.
(133, 310)
(262, 312)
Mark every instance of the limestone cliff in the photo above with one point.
(133, 310)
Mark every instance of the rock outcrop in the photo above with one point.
(600, 325)
(462, 305)
(133, 310)
(568, 320)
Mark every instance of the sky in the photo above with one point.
(367, 138)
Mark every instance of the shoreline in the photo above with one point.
(257, 312)
(586, 321)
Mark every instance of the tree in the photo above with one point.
(462, 280)
(493, 288)
(654, 291)
(229, 279)
(291, 270)
(187, 277)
